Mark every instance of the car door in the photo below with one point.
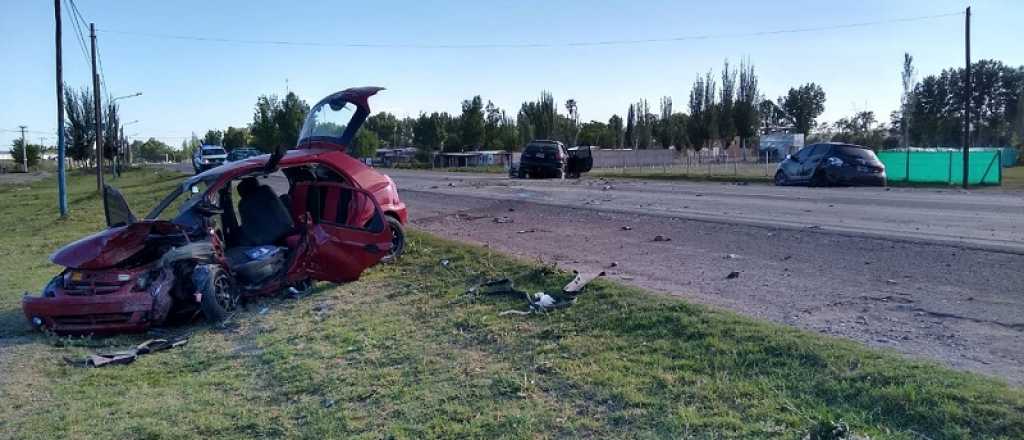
(346, 230)
(810, 166)
(793, 167)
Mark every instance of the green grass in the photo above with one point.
(1013, 178)
(719, 172)
(404, 353)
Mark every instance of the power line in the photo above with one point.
(77, 25)
(531, 44)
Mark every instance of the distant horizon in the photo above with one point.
(200, 71)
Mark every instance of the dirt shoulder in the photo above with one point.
(960, 307)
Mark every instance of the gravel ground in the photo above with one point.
(958, 304)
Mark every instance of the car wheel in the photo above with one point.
(397, 239)
(819, 179)
(219, 295)
(780, 178)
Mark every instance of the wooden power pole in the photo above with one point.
(96, 106)
(24, 150)
(968, 94)
(62, 195)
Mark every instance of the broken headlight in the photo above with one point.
(144, 280)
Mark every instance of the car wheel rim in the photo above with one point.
(222, 292)
(397, 241)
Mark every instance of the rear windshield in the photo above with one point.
(546, 148)
(213, 151)
(855, 153)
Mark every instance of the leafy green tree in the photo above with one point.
(542, 116)
(81, 124)
(153, 150)
(726, 106)
(615, 125)
(213, 137)
(289, 118)
(679, 133)
(746, 114)
(111, 131)
(702, 126)
(803, 105)
(235, 137)
(430, 133)
(263, 127)
(664, 133)
(385, 126)
(596, 133)
(573, 122)
(630, 134)
(471, 123)
(32, 152)
(365, 144)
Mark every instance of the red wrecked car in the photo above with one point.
(232, 235)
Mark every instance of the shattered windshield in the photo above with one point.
(183, 197)
(328, 121)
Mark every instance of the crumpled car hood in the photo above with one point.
(104, 249)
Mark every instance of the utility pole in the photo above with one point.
(96, 106)
(24, 151)
(968, 93)
(62, 195)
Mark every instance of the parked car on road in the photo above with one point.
(336, 218)
(831, 163)
(243, 153)
(544, 158)
(208, 156)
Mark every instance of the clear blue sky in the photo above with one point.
(191, 86)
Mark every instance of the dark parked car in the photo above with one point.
(543, 158)
(831, 164)
(243, 153)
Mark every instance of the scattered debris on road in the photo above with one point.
(627, 228)
(662, 238)
(503, 219)
(128, 356)
(732, 275)
(539, 301)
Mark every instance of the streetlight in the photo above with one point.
(113, 164)
(126, 96)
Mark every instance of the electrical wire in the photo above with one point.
(530, 44)
(68, 4)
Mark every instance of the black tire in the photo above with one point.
(219, 295)
(819, 179)
(397, 240)
(780, 178)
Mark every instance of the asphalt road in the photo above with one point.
(934, 274)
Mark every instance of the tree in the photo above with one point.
(472, 123)
(365, 144)
(746, 114)
(277, 122)
(153, 150)
(726, 109)
(572, 108)
(289, 118)
(111, 131)
(596, 133)
(702, 127)
(630, 135)
(385, 126)
(429, 133)
(909, 77)
(235, 137)
(541, 117)
(32, 151)
(664, 133)
(81, 124)
(678, 126)
(263, 127)
(615, 125)
(213, 137)
(803, 105)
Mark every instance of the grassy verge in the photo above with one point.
(404, 353)
(1013, 178)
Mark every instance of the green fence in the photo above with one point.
(942, 167)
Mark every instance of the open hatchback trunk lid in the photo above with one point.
(333, 122)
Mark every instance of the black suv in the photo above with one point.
(543, 158)
(832, 164)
